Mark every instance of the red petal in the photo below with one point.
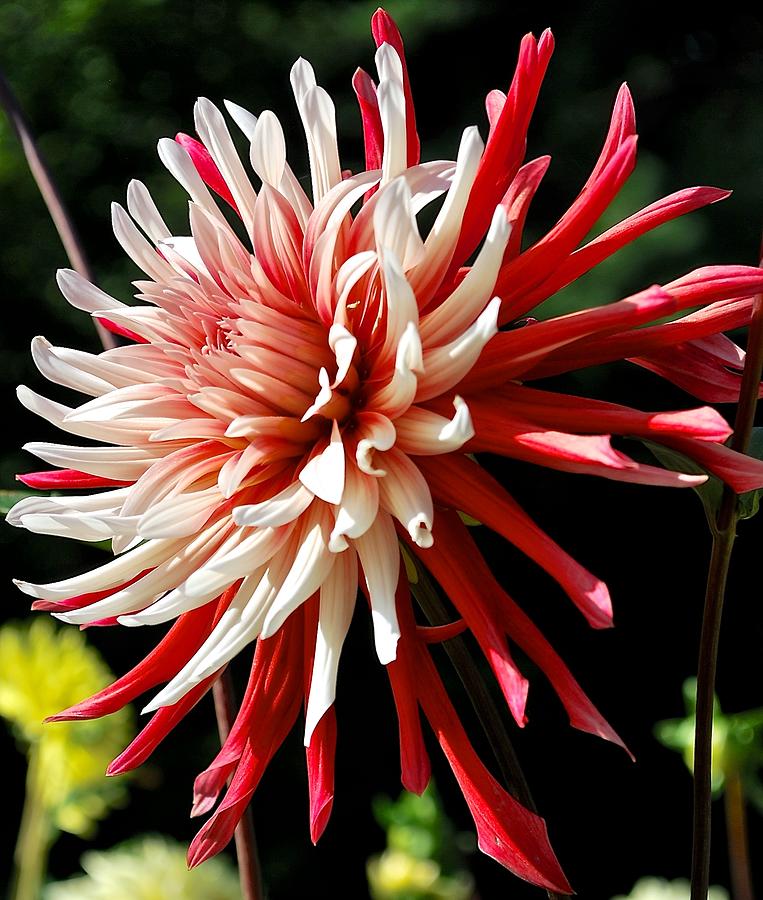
(468, 573)
(373, 134)
(614, 166)
(206, 167)
(278, 700)
(506, 144)
(739, 471)
(385, 30)
(611, 240)
(485, 629)
(462, 484)
(159, 726)
(415, 768)
(709, 368)
(121, 330)
(63, 479)
(320, 773)
(590, 416)
(436, 634)
(512, 353)
(506, 831)
(174, 650)
(720, 316)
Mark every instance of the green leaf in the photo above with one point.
(11, 498)
(709, 493)
(749, 502)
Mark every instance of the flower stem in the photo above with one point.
(724, 535)
(35, 832)
(487, 712)
(736, 830)
(65, 227)
(249, 872)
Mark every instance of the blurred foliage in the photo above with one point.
(44, 669)
(422, 859)
(660, 889)
(147, 868)
(737, 743)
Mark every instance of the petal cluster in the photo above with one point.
(303, 385)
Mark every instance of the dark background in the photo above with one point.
(102, 81)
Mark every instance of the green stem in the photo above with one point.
(736, 830)
(724, 535)
(484, 706)
(35, 836)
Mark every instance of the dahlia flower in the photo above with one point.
(304, 393)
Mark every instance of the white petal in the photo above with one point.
(397, 395)
(153, 584)
(312, 563)
(83, 295)
(400, 304)
(186, 249)
(179, 515)
(375, 432)
(319, 121)
(59, 372)
(468, 300)
(324, 474)
(445, 366)
(280, 509)
(142, 208)
(219, 648)
(269, 149)
(338, 594)
(140, 251)
(180, 165)
(323, 396)
(405, 494)
(116, 571)
(392, 112)
(214, 134)
(441, 240)
(380, 558)
(421, 432)
(236, 558)
(343, 344)
(358, 508)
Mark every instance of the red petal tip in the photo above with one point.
(319, 818)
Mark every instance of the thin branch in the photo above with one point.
(50, 193)
(720, 560)
(738, 843)
(249, 872)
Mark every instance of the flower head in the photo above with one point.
(148, 868)
(296, 402)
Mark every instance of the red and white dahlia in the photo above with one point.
(293, 406)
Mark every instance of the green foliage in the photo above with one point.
(11, 498)
(44, 669)
(421, 861)
(737, 743)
